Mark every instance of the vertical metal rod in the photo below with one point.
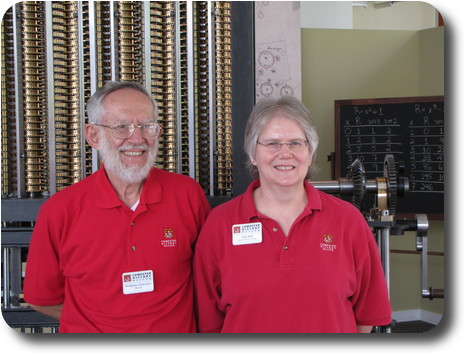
(212, 104)
(50, 97)
(93, 68)
(385, 235)
(424, 273)
(191, 89)
(382, 235)
(114, 32)
(19, 112)
(422, 246)
(80, 34)
(92, 47)
(178, 90)
(147, 45)
(15, 274)
(6, 277)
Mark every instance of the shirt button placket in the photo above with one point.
(133, 247)
(286, 256)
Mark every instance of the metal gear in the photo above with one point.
(389, 172)
(357, 174)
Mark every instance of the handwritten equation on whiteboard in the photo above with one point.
(413, 133)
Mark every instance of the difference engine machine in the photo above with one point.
(381, 216)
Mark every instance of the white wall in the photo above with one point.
(402, 15)
(327, 14)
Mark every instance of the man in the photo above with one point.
(112, 253)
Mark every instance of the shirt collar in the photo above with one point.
(249, 208)
(106, 197)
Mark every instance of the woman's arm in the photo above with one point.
(364, 329)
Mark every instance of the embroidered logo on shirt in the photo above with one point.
(168, 240)
(327, 243)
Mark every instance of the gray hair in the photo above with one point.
(267, 109)
(95, 103)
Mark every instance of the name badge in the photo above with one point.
(248, 233)
(137, 282)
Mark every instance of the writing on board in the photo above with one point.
(426, 154)
(413, 133)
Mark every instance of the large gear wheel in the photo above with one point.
(389, 172)
(357, 174)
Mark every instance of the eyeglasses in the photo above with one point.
(294, 145)
(125, 130)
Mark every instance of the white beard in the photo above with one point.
(131, 174)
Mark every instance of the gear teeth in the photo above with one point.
(389, 172)
(357, 175)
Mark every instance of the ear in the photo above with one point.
(92, 135)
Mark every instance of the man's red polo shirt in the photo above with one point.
(325, 276)
(85, 239)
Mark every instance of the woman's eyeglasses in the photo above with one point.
(297, 145)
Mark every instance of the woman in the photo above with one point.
(283, 256)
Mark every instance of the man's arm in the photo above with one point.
(52, 310)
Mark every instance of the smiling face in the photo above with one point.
(128, 159)
(285, 167)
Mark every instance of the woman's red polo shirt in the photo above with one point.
(325, 276)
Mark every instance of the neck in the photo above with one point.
(283, 194)
(127, 192)
(283, 205)
(287, 199)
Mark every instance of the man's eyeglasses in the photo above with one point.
(125, 130)
(297, 145)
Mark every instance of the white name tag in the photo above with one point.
(248, 233)
(137, 282)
